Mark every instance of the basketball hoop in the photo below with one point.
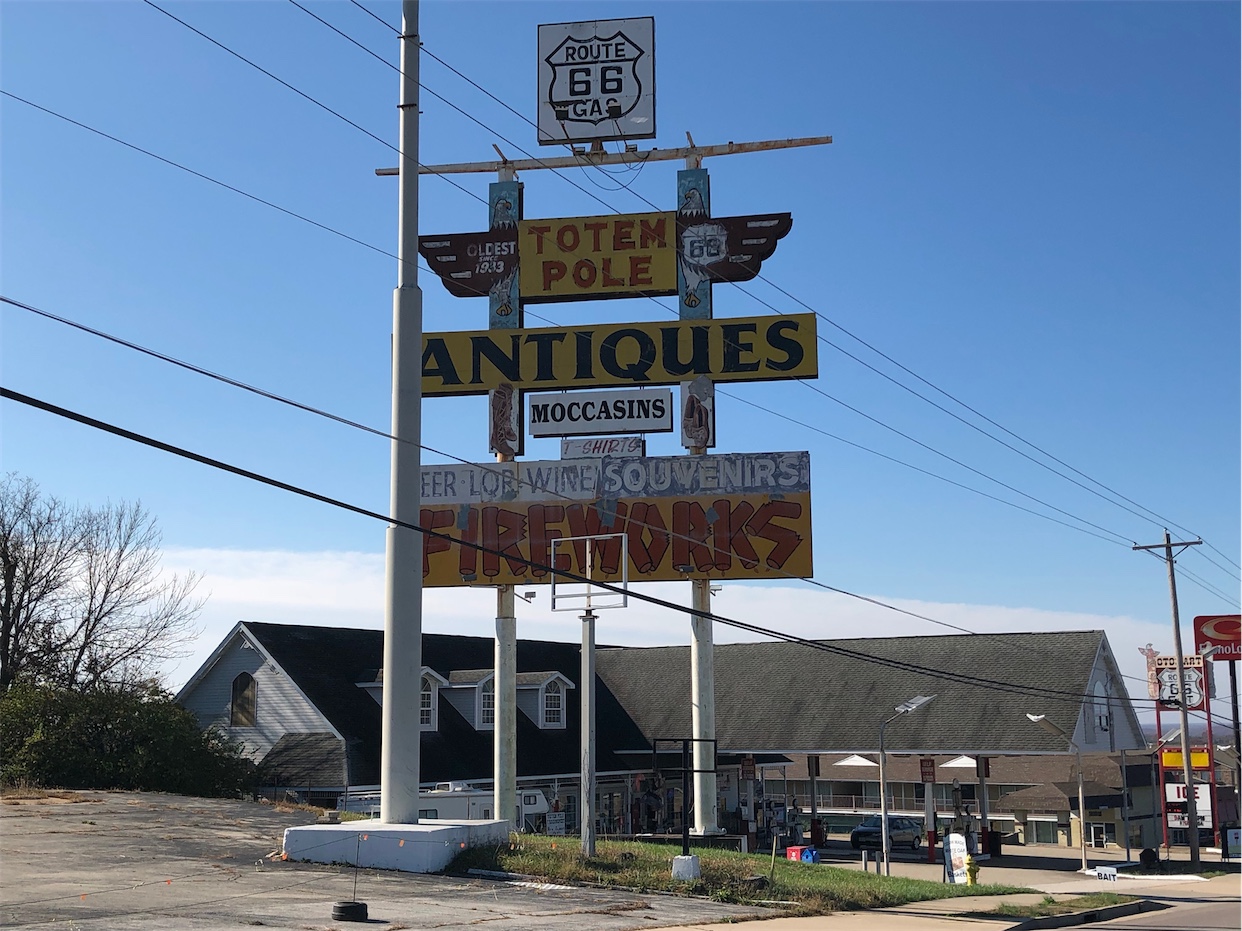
(593, 558)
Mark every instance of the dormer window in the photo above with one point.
(553, 705)
(242, 705)
(487, 704)
(427, 705)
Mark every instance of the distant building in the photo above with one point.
(305, 702)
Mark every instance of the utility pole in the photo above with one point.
(1192, 812)
(403, 579)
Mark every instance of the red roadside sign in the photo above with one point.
(927, 769)
(1219, 630)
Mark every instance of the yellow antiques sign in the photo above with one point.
(725, 349)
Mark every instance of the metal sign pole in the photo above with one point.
(588, 733)
(403, 602)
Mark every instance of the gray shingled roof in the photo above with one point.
(468, 676)
(788, 697)
(310, 760)
(1060, 796)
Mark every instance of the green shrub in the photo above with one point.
(136, 737)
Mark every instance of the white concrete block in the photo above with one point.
(686, 869)
(426, 847)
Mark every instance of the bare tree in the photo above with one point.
(84, 602)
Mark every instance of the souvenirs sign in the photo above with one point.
(597, 80)
(731, 349)
(735, 516)
(587, 258)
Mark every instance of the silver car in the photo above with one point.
(902, 832)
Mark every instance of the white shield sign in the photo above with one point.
(597, 80)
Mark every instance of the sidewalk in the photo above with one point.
(945, 914)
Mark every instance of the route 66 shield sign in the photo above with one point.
(1171, 694)
(597, 80)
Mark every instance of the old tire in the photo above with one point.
(349, 911)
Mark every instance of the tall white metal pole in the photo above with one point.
(504, 738)
(403, 601)
(504, 735)
(586, 689)
(703, 708)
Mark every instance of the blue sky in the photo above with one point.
(1032, 206)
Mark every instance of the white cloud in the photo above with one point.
(346, 589)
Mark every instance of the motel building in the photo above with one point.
(305, 702)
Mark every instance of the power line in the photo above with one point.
(449, 103)
(962, 678)
(768, 305)
(823, 316)
(374, 248)
(199, 174)
(225, 379)
(308, 97)
(902, 462)
(1208, 587)
(385, 252)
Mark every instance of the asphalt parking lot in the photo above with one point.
(104, 861)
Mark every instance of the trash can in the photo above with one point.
(810, 855)
(817, 832)
(994, 843)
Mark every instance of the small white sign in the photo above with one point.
(649, 410)
(1176, 792)
(955, 858)
(1179, 819)
(597, 80)
(556, 822)
(591, 446)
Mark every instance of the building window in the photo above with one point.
(242, 707)
(487, 704)
(553, 705)
(427, 706)
(1041, 832)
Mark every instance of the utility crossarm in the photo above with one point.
(585, 157)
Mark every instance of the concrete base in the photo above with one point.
(426, 847)
(686, 869)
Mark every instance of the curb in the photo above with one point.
(1107, 913)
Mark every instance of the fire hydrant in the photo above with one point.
(972, 870)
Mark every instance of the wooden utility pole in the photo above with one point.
(1192, 813)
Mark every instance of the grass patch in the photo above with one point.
(1050, 906)
(24, 792)
(727, 876)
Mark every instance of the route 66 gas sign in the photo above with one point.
(597, 80)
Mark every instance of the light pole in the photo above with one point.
(1042, 721)
(918, 701)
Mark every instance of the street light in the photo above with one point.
(1042, 721)
(915, 703)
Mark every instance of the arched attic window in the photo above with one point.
(487, 704)
(242, 705)
(553, 705)
(427, 705)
